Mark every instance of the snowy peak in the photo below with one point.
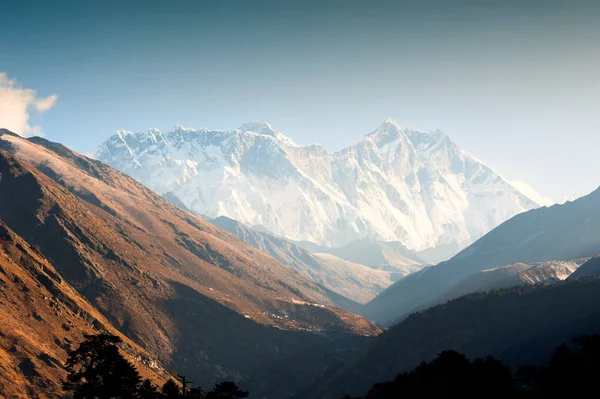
(387, 132)
(140, 138)
(389, 123)
(264, 129)
(181, 131)
(398, 184)
(133, 141)
(259, 128)
(390, 132)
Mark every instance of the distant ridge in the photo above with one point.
(354, 281)
(557, 233)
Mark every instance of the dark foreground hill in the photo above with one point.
(519, 325)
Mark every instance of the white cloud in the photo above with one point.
(532, 193)
(45, 104)
(16, 105)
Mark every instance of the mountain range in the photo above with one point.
(564, 232)
(390, 256)
(527, 286)
(85, 248)
(398, 184)
(354, 281)
(548, 272)
(198, 299)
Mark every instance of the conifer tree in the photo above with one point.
(97, 370)
(226, 390)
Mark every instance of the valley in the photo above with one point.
(220, 300)
(327, 199)
(175, 285)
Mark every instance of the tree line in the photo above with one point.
(570, 373)
(98, 370)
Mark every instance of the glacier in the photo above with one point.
(397, 184)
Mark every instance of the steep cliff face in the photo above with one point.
(398, 184)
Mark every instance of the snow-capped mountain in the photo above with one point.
(398, 184)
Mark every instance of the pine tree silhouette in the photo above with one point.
(226, 390)
(571, 373)
(170, 390)
(450, 374)
(96, 369)
(195, 393)
(147, 390)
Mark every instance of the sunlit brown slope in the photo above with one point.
(41, 318)
(186, 291)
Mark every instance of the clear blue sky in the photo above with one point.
(516, 83)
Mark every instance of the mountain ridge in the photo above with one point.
(557, 233)
(513, 275)
(397, 184)
(357, 282)
(199, 299)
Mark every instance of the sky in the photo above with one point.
(515, 83)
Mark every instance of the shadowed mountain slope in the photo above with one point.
(518, 325)
(589, 268)
(41, 318)
(512, 275)
(561, 232)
